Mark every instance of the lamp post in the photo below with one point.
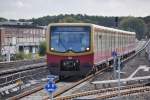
(119, 63)
(9, 53)
(114, 55)
(114, 67)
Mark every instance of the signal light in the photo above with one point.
(87, 49)
(52, 48)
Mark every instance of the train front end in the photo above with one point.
(69, 49)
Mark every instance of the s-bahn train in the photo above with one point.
(78, 48)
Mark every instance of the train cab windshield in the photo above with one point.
(70, 38)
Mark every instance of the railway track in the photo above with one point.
(65, 86)
(125, 60)
(64, 89)
(20, 63)
(109, 92)
(125, 92)
(12, 69)
(88, 78)
(11, 82)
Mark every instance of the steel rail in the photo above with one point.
(19, 74)
(62, 91)
(40, 87)
(124, 92)
(100, 91)
(125, 60)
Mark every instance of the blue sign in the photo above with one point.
(50, 87)
(114, 53)
(52, 77)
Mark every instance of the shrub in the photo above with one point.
(20, 56)
(42, 48)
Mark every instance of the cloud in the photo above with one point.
(19, 4)
(38, 8)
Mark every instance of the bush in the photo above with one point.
(28, 56)
(42, 48)
(1, 58)
(20, 56)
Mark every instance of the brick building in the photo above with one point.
(20, 37)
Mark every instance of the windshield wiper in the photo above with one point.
(62, 43)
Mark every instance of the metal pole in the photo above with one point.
(114, 67)
(9, 54)
(119, 62)
(51, 95)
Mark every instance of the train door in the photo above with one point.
(111, 42)
(95, 46)
(103, 46)
(99, 46)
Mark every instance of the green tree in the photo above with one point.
(22, 20)
(147, 21)
(42, 48)
(134, 24)
(3, 19)
(72, 18)
(148, 30)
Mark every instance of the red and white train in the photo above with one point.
(78, 48)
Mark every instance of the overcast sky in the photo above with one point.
(16, 9)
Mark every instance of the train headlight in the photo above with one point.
(64, 64)
(77, 61)
(52, 48)
(87, 49)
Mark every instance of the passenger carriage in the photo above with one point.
(78, 48)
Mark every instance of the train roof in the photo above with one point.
(112, 29)
(95, 26)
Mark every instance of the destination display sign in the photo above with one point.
(69, 28)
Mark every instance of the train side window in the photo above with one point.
(99, 41)
(109, 37)
(120, 39)
(96, 41)
(111, 41)
(103, 41)
(100, 36)
(106, 41)
(116, 39)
